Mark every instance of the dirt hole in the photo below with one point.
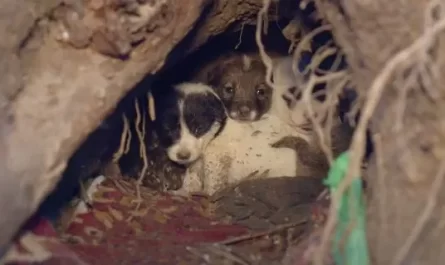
(272, 204)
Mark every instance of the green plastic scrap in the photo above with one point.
(349, 243)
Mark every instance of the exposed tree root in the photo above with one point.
(124, 145)
(140, 131)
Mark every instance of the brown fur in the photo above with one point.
(241, 86)
(311, 158)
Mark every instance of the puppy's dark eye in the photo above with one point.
(228, 89)
(261, 92)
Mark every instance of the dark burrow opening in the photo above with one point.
(95, 156)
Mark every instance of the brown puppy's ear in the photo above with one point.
(213, 75)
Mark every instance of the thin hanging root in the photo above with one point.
(127, 144)
(142, 150)
(304, 43)
(306, 99)
(125, 141)
(240, 39)
(261, 18)
(319, 56)
(151, 106)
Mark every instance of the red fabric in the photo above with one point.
(118, 232)
(157, 233)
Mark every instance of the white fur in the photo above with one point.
(194, 88)
(234, 114)
(240, 150)
(92, 189)
(252, 115)
(187, 141)
(247, 62)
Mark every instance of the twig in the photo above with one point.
(198, 253)
(322, 195)
(423, 218)
(278, 228)
(358, 141)
(216, 249)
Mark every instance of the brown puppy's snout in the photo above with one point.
(244, 111)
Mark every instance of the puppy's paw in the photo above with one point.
(291, 142)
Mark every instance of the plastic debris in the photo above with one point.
(349, 243)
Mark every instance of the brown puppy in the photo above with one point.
(239, 80)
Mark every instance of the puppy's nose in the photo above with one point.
(183, 154)
(244, 111)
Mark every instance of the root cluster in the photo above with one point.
(423, 77)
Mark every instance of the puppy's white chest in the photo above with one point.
(243, 150)
(253, 153)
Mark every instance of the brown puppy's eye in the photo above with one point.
(261, 92)
(228, 90)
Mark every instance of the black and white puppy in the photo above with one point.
(188, 117)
